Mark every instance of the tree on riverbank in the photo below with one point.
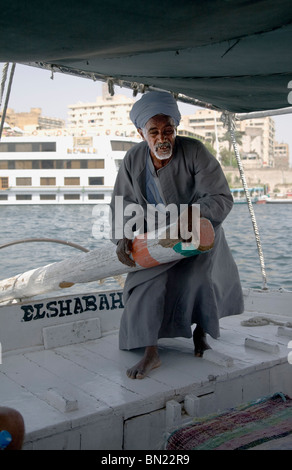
(227, 155)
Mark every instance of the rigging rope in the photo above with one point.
(3, 81)
(7, 94)
(228, 119)
(52, 240)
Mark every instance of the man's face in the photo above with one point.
(159, 133)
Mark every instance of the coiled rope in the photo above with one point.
(229, 121)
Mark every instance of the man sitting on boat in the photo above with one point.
(165, 300)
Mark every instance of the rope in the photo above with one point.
(262, 321)
(228, 120)
(52, 240)
(7, 98)
(3, 81)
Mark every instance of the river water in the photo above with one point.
(75, 223)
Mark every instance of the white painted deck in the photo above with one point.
(78, 396)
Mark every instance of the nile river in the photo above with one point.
(74, 223)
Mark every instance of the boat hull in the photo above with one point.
(74, 394)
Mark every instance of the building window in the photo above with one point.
(48, 181)
(59, 164)
(3, 197)
(83, 164)
(28, 147)
(122, 145)
(36, 164)
(3, 147)
(71, 196)
(96, 181)
(75, 164)
(22, 147)
(4, 182)
(50, 164)
(47, 197)
(95, 196)
(22, 164)
(23, 181)
(95, 163)
(23, 197)
(47, 164)
(72, 181)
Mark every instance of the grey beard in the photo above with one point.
(166, 155)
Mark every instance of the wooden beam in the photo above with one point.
(102, 263)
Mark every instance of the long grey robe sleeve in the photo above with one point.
(166, 300)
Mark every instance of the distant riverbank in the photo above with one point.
(280, 180)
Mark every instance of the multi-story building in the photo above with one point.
(256, 143)
(32, 121)
(108, 115)
(281, 156)
(207, 124)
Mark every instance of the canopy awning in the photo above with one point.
(235, 55)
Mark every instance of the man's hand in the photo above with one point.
(123, 251)
(193, 224)
(181, 236)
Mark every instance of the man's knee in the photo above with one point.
(12, 421)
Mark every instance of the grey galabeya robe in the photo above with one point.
(164, 301)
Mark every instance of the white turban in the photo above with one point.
(152, 103)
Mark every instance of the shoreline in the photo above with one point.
(274, 178)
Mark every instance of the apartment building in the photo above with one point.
(108, 115)
(256, 141)
(281, 156)
(31, 121)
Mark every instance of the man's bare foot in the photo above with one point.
(200, 343)
(149, 361)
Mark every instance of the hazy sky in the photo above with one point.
(34, 88)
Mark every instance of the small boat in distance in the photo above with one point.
(267, 199)
(278, 200)
(256, 194)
